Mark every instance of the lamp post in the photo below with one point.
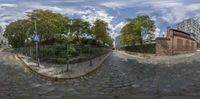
(70, 24)
(90, 43)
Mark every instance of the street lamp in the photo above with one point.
(69, 24)
(89, 45)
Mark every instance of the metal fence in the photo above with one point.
(62, 54)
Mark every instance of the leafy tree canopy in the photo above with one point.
(53, 28)
(100, 31)
(136, 28)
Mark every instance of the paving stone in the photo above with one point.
(120, 77)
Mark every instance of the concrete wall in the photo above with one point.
(176, 42)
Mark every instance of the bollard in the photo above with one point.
(100, 57)
(67, 66)
(90, 62)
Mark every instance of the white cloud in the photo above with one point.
(170, 11)
(157, 32)
(52, 8)
(164, 4)
(174, 11)
(117, 28)
(62, 10)
(114, 5)
(7, 5)
(92, 14)
(69, 1)
(193, 7)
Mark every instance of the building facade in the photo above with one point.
(176, 42)
(3, 40)
(117, 42)
(190, 26)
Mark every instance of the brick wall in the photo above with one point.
(176, 42)
(162, 46)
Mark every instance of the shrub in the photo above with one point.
(147, 48)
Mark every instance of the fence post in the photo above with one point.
(67, 58)
(21, 49)
(90, 57)
(29, 51)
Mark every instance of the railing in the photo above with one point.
(63, 54)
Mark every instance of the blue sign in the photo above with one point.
(36, 38)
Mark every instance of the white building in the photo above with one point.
(117, 42)
(191, 26)
(3, 40)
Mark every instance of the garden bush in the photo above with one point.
(146, 48)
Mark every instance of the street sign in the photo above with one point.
(36, 38)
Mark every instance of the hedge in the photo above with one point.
(147, 48)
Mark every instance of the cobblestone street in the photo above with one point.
(120, 76)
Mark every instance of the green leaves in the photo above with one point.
(48, 23)
(53, 28)
(16, 32)
(136, 28)
(100, 31)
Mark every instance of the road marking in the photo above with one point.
(16, 57)
(11, 57)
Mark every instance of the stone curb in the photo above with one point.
(60, 78)
(135, 56)
(2, 49)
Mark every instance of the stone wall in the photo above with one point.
(176, 42)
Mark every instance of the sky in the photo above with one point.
(115, 12)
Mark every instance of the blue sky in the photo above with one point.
(164, 12)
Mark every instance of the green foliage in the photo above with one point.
(48, 23)
(16, 32)
(146, 48)
(132, 32)
(54, 28)
(100, 31)
(78, 28)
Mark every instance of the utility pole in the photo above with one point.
(36, 44)
(69, 32)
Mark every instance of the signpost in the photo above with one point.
(36, 38)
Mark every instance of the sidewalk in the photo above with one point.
(153, 59)
(180, 97)
(159, 97)
(1, 49)
(60, 72)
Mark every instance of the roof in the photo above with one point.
(187, 35)
(181, 31)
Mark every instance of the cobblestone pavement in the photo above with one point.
(120, 77)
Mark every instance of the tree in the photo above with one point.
(16, 33)
(80, 27)
(136, 28)
(100, 31)
(52, 27)
(49, 24)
